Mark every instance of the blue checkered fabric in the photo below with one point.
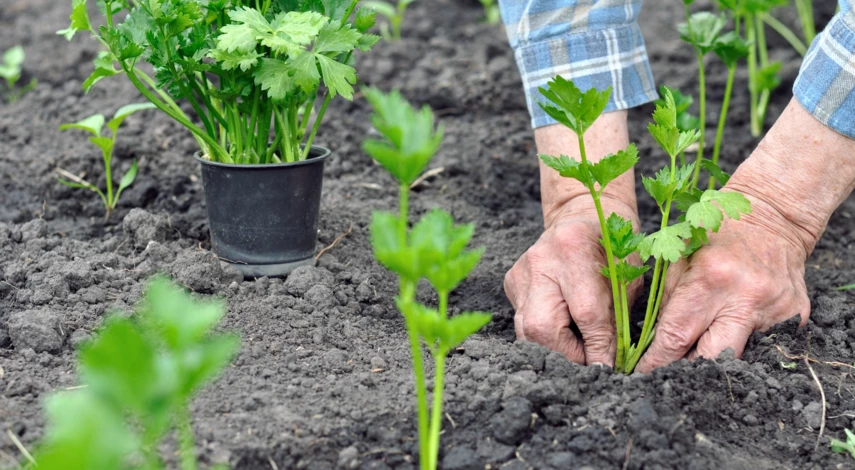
(826, 83)
(597, 44)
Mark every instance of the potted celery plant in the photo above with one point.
(252, 71)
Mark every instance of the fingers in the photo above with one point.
(724, 332)
(683, 320)
(588, 299)
(544, 318)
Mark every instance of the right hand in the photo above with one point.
(558, 281)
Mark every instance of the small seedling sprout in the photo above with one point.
(434, 249)
(10, 71)
(94, 125)
(845, 447)
(138, 376)
(492, 14)
(394, 15)
(703, 211)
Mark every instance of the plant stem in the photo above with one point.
(728, 90)
(627, 343)
(785, 33)
(187, 446)
(316, 125)
(610, 259)
(763, 103)
(108, 174)
(751, 37)
(805, 9)
(436, 409)
(702, 118)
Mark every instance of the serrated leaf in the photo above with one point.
(292, 31)
(621, 236)
(612, 166)
(731, 48)
(337, 39)
(715, 171)
(367, 41)
(410, 140)
(568, 168)
(92, 124)
(306, 74)
(667, 243)
(274, 77)
(103, 68)
(767, 78)
(705, 214)
(733, 204)
(365, 19)
(236, 37)
(235, 59)
(570, 106)
(699, 238)
(460, 327)
(391, 249)
(338, 77)
(126, 111)
(625, 271)
(665, 114)
(79, 19)
(702, 30)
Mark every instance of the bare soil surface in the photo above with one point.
(323, 380)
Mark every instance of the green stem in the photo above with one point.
(625, 302)
(186, 92)
(702, 118)
(436, 409)
(728, 90)
(187, 446)
(805, 9)
(751, 37)
(610, 259)
(315, 126)
(108, 173)
(786, 33)
(763, 103)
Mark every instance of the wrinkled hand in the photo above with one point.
(749, 277)
(558, 281)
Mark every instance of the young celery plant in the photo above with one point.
(730, 48)
(10, 70)
(686, 121)
(762, 74)
(701, 30)
(578, 111)
(845, 447)
(138, 376)
(672, 186)
(246, 68)
(394, 14)
(805, 9)
(94, 124)
(434, 250)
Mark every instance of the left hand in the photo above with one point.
(749, 277)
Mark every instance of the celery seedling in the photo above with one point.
(845, 447)
(762, 74)
(434, 250)
(701, 30)
(94, 124)
(138, 375)
(686, 121)
(246, 68)
(394, 14)
(10, 70)
(672, 186)
(730, 48)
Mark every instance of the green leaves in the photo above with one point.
(667, 244)
(665, 130)
(10, 68)
(570, 106)
(93, 124)
(685, 120)
(767, 78)
(442, 334)
(664, 187)
(274, 77)
(623, 240)
(845, 447)
(79, 20)
(409, 139)
(103, 68)
(625, 271)
(602, 172)
(138, 374)
(709, 216)
(731, 48)
(702, 30)
(126, 111)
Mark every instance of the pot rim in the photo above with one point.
(325, 153)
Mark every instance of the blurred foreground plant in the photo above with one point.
(138, 377)
(10, 70)
(434, 249)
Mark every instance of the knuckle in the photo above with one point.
(539, 329)
(724, 272)
(673, 339)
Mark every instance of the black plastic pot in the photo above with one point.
(264, 218)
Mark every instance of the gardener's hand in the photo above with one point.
(558, 281)
(751, 274)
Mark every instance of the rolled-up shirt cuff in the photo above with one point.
(593, 59)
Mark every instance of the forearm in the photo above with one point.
(562, 195)
(800, 173)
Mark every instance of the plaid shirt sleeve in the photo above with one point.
(596, 44)
(826, 82)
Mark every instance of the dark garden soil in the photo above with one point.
(323, 380)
